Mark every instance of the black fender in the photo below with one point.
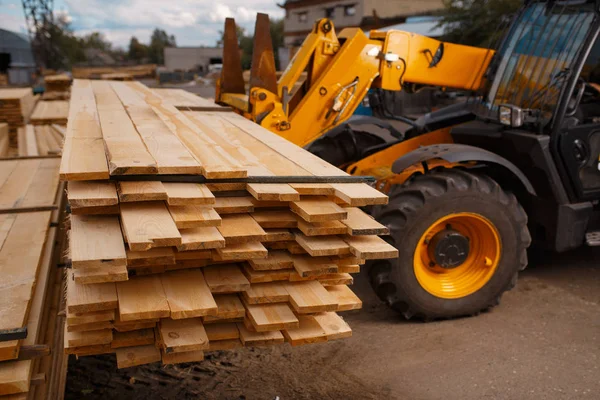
(454, 153)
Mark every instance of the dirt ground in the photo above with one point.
(542, 342)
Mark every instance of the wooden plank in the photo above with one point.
(148, 224)
(307, 266)
(241, 228)
(348, 269)
(370, 247)
(171, 156)
(103, 274)
(269, 317)
(193, 216)
(152, 257)
(336, 279)
(279, 235)
(89, 350)
(322, 228)
(96, 241)
(249, 338)
(309, 331)
(142, 297)
(274, 261)
(141, 191)
(202, 238)
(310, 297)
(188, 294)
(233, 205)
(333, 325)
(183, 357)
(225, 278)
(182, 335)
(91, 338)
(243, 251)
(133, 326)
(361, 223)
(90, 298)
(92, 194)
(323, 245)
(229, 306)
(108, 210)
(266, 275)
(138, 355)
(225, 331)
(279, 219)
(359, 194)
(266, 293)
(125, 149)
(273, 192)
(21, 142)
(86, 318)
(92, 326)
(40, 138)
(83, 151)
(134, 338)
(319, 189)
(182, 194)
(345, 298)
(318, 209)
(32, 149)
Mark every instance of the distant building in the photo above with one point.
(300, 15)
(98, 58)
(196, 59)
(16, 58)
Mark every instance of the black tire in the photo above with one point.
(344, 148)
(417, 204)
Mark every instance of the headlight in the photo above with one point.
(505, 115)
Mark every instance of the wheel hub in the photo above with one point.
(449, 248)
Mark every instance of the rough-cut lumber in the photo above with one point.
(92, 326)
(266, 275)
(266, 293)
(321, 189)
(225, 278)
(229, 306)
(96, 241)
(224, 331)
(201, 238)
(318, 209)
(142, 297)
(279, 235)
(270, 317)
(83, 152)
(322, 228)
(309, 331)
(225, 345)
(125, 149)
(241, 228)
(140, 337)
(370, 247)
(233, 205)
(182, 194)
(275, 260)
(103, 274)
(333, 325)
(336, 279)
(243, 251)
(92, 194)
(193, 216)
(148, 225)
(137, 355)
(86, 318)
(310, 297)
(279, 219)
(91, 338)
(361, 223)
(188, 294)
(132, 191)
(323, 245)
(50, 112)
(345, 298)
(90, 298)
(273, 192)
(182, 335)
(30, 140)
(307, 266)
(152, 257)
(359, 194)
(250, 338)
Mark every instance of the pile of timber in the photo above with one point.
(58, 83)
(137, 71)
(117, 76)
(32, 360)
(40, 140)
(168, 260)
(16, 106)
(50, 112)
(53, 96)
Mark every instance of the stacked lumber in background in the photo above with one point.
(58, 83)
(50, 112)
(40, 140)
(137, 71)
(54, 96)
(16, 106)
(165, 270)
(117, 76)
(4, 139)
(32, 360)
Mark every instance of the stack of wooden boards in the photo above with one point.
(16, 105)
(117, 76)
(58, 83)
(50, 112)
(32, 360)
(165, 268)
(137, 71)
(40, 140)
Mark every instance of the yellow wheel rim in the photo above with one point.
(474, 272)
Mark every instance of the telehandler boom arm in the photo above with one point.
(340, 70)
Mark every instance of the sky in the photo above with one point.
(193, 22)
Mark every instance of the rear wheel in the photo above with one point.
(461, 239)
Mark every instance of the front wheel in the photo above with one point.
(462, 241)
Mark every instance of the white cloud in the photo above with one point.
(15, 23)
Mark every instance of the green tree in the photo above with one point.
(158, 41)
(137, 51)
(97, 40)
(476, 22)
(69, 48)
